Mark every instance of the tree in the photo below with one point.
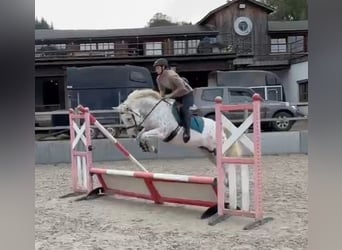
(160, 19)
(42, 24)
(288, 10)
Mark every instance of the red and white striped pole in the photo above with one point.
(120, 147)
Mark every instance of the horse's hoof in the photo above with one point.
(226, 183)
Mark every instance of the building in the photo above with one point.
(236, 35)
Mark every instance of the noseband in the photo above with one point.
(132, 113)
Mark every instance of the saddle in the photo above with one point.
(197, 122)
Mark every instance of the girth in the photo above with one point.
(172, 135)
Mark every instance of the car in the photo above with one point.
(265, 83)
(204, 105)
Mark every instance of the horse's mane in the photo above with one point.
(143, 93)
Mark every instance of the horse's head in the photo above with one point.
(136, 108)
(131, 119)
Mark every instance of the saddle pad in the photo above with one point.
(197, 122)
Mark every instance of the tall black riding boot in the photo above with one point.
(186, 125)
(186, 136)
(186, 101)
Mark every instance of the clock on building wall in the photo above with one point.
(243, 26)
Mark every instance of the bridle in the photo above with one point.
(139, 126)
(133, 117)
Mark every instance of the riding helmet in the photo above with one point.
(161, 62)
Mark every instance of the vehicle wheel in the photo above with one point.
(94, 132)
(210, 116)
(282, 125)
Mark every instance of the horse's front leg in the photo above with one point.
(140, 134)
(143, 144)
(145, 136)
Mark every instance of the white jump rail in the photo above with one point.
(232, 165)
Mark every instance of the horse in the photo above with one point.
(146, 115)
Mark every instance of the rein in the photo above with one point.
(139, 125)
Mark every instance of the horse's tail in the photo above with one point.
(236, 150)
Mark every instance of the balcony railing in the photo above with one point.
(120, 50)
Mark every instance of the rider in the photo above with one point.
(171, 85)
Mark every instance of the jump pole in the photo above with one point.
(120, 147)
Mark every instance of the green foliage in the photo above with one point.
(288, 10)
(42, 24)
(160, 19)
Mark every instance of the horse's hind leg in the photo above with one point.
(209, 154)
(212, 158)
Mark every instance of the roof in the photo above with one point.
(276, 26)
(262, 5)
(153, 31)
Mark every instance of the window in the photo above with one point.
(61, 46)
(274, 93)
(192, 46)
(260, 90)
(296, 43)
(88, 46)
(212, 40)
(240, 96)
(303, 90)
(105, 46)
(38, 47)
(278, 45)
(211, 94)
(179, 47)
(153, 48)
(137, 76)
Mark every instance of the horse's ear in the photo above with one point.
(122, 108)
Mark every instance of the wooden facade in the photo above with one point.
(224, 18)
(214, 43)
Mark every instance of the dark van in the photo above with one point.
(101, 88)
(266, 83)
(104, 87)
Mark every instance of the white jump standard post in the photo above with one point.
(239, 163)
(81, 149)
